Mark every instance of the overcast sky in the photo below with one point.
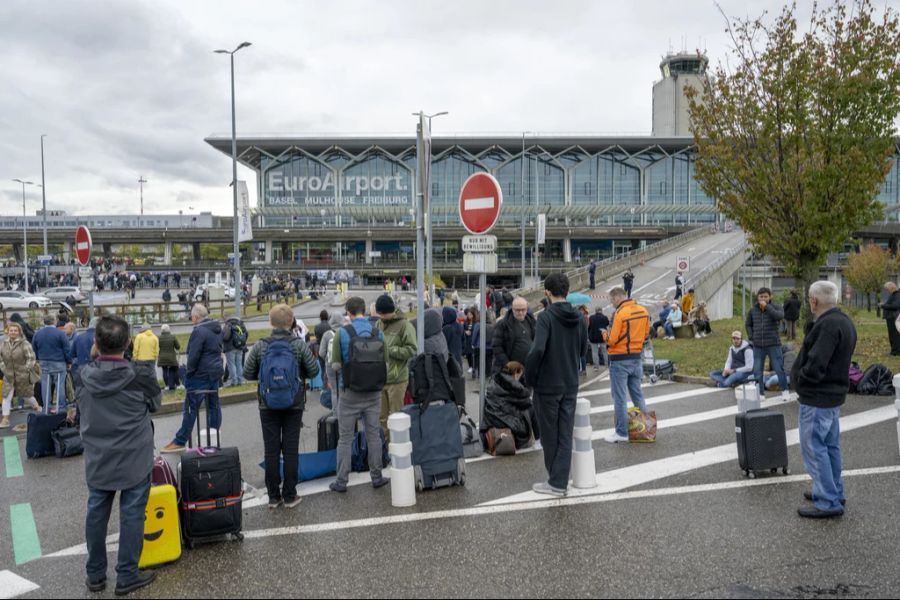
(131, 88)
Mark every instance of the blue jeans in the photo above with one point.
(625, 380)
(820, 444)
(556, 421)
(57, 369)
(759, 363)
(132, 507)
(730, 381)
(235, 361)
(670, 329)
(192, 401)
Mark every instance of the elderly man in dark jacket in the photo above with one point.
(204, 373)
(513, 335)
(115, 399)
(891, 310)
(821, 378)
(762, 331)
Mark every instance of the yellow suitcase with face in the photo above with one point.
(162, 530)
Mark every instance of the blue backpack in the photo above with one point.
(279, 376)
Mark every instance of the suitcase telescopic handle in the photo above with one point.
(206, 394)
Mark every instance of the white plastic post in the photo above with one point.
(897, 404)
(584, 474)
(403, 480)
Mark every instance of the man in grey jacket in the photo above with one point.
(115, 399)
(762, 331)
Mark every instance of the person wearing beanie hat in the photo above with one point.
(400, 347)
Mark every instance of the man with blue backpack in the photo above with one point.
(281, 363)
(358, 354)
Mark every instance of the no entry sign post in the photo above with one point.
(83, 246)
(480, 201)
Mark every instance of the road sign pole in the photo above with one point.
(482, 345)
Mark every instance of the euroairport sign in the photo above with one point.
(284, 189)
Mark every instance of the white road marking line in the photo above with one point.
(653, 401)
(11, 585)
(594, 380)
(555, 503)
(643, 287)
(479, 203)
(643, 473)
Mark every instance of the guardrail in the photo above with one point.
(578, 278)
(696, 280)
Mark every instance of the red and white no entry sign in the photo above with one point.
(683, 263)
(83, 245)
(479, 203)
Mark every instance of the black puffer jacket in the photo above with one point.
(508, 404)
(762, 326)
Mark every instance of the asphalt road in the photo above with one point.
(672, 519)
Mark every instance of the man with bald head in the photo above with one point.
(513, 335)
(891, 309)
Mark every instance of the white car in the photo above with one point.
(229, 291)
(70, 295)
(22, 300)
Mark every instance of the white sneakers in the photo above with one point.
(698, 336)
(615, 438)
(538, 445)
(546, 488)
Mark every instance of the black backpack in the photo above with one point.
(366, 367)
(431, 380)
(877, 381)
(238, 335)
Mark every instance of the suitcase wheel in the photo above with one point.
(238, 537)
(751, 475)
(461, 471)
(190, 544)
(786, 471)
(774, 471)
(420, 478)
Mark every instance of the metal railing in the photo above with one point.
(701, 276)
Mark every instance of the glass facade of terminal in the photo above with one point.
(574, 186)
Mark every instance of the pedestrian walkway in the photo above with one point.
(681, 509)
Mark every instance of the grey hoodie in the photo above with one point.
(435, 342)
(115, 399)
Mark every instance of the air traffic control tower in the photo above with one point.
(670, 105)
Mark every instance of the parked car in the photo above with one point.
(229, 291)
(22, 300)
(69, 295)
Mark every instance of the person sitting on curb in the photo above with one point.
(673, 321)
(771, 377)
(739, 364)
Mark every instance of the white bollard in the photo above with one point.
(403, 479)
(584, 474)
(897, 404)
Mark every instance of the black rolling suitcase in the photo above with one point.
(211, 490)
(761, 442)
(328, 432)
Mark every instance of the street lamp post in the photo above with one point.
(44, 194)
(142, 181)
(237, 251)
(425, 191)
(25, 230)
(522, 206)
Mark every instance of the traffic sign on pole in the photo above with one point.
(683, 264)
(480, 201)
(83, 245)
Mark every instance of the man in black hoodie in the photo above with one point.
(821, 378)
(552, 370)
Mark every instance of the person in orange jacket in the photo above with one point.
(625, 342)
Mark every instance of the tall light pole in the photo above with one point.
(142, 181)
(44, 193)
(25, 229)
(425, 181)
(237, 250)
(522, 195)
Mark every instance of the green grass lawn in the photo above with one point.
(699, 357)
(177, 397)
